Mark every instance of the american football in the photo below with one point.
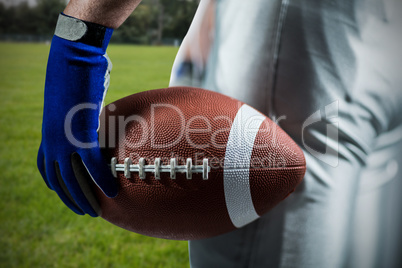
(193, 163)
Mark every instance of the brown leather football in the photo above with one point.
(193, 163)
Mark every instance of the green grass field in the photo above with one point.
(36, 229)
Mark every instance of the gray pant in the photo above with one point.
(329, 73)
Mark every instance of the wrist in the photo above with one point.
(80, 31)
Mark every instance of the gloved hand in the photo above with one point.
(77, 79)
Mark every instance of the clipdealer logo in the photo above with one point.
(118, 125)
(330, 139)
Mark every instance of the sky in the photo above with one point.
(16, 2)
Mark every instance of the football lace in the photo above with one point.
(157, 168)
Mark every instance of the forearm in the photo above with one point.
(110, 13)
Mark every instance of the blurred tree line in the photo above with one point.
(153, 22)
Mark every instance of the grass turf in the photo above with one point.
(36, 229)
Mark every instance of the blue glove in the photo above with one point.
(77, 79)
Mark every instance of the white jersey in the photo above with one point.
(329, 73)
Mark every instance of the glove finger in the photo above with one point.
(85, 181)
(73, 187)
(40, 162)
(100, 172)
(63, 186)
(55, 181)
